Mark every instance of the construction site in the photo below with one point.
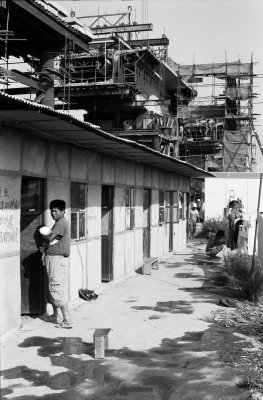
(125, 83)
(127, 178)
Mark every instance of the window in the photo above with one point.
(161, 206)
(130, 208)
(185, 205)
(78, 210)
(168, 201)
(167, 206)
(180, 205)
(174, 206)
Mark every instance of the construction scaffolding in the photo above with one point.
(217, 126)
(123, 81)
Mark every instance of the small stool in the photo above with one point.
(149, 264)
(100, 342)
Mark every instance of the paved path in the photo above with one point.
(161, 345)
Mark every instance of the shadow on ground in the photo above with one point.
(199, 365)
(195, 366)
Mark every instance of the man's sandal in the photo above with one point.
(64, 325)
(53, 319)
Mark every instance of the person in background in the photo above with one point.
(238, 223)
(233, 216)
(193, 219)
(199, 205)
(216, 243)
(56, 263)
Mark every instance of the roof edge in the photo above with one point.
(96, 129)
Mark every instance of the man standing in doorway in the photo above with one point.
(56, 263)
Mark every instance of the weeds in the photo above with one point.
(238, 275)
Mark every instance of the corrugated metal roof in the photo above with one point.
(44, 122)
(61, 22)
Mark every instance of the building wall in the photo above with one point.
(217, 191)
(58, 165)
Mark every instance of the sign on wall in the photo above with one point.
(9, 215)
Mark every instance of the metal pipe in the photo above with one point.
(256, 228)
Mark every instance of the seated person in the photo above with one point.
(216, 243)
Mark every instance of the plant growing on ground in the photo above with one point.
(240, 277)
(212, 225)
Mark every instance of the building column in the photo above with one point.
(46, 81)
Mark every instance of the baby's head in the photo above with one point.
(44, 230)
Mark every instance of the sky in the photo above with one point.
(200, 31)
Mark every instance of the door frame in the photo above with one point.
(148, 228)
(109, 266)
(42, 272)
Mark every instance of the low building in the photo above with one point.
(124, 201)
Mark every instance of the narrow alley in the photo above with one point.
(161, 343)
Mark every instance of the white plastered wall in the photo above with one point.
(217, 191)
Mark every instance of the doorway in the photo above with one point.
(106, 233)
(146, 222)
(32, 271)
(170, 219)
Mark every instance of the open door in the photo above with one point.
(106, 233)
(32, 271)
(170, 220)
(146, 222)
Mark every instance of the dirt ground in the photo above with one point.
(170, 339)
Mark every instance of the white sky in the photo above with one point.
(200, 31)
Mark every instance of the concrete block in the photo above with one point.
(100, 342)
(147, 269)
(149, 264)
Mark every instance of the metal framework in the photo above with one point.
(217, 127)
(128, 85)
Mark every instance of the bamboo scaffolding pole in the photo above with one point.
(256, 229)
